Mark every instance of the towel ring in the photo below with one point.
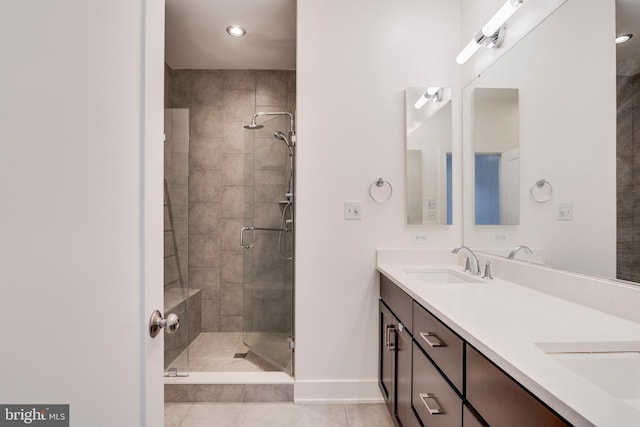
(538, 187)
(380, 183)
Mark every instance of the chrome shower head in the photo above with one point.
(253, 126)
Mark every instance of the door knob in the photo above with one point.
(171, 323)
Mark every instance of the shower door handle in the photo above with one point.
(242, 230)
(157, 322)
(250, 245)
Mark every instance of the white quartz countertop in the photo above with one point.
(506, 321)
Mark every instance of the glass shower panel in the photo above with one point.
(268, 282)
(177, 296)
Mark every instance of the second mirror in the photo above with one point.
(429, 160)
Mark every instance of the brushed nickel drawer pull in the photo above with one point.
(390, 345)
(431, 403)
(432, 339)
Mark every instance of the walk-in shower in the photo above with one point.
(269, 242)
(235, 304)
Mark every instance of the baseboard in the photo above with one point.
(336, 391)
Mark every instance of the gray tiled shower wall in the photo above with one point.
(224, 162)
(628, 178)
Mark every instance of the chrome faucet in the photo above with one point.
(471, 267)
(517, 249)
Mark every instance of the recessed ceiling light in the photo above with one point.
(623, 38)
(236, 31)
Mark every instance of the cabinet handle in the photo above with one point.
(390, 346)
(431, 403)
(432, 339)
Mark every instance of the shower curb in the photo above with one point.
(228, 392)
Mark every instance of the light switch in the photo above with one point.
(352, 209)
(564, 211)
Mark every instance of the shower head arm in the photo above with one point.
(275, 113)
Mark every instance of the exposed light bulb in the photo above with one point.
(501, 16)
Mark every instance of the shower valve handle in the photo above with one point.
(171, 323)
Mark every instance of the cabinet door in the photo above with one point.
(387, 356)
(468, 419)
(403, 377)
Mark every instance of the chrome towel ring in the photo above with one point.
(377, 187)
(541, 191)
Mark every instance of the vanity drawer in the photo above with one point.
(500, 400)
(435, 402)
(440, 343)
(397, 300)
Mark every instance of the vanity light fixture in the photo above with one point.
(621, 38)
(236, 31)
(501, 16)
(432, 93)
(493, 41)
(491, 33)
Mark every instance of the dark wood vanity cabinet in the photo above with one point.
(501, 401)
(469, 419)
(395, 353)
(431, 377)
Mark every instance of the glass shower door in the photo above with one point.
(269, 264)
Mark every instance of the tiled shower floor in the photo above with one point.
(214, 352)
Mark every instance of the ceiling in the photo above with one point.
(196, 36)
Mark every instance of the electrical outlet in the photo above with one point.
(419, 238)
(431, 215)
(564, 211)
(352, 209)
(431, 203)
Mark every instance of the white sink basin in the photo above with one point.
(611, 366)
(441, 275)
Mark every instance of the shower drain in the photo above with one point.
(240, 356)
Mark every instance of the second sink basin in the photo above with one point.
(611, 366)
(441, 275)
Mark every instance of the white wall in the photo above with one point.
(566, 137)
(354, 61)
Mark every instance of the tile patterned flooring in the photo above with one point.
(276, 415)
(214, 352)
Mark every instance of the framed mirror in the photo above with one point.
(567, 142)
(428, 156)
